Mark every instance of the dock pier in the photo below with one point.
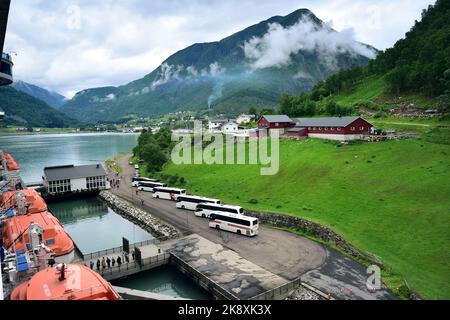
(219, 271)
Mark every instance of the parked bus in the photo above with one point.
(191, 202)
(168, 193)
(204, 210)
(135, 181)
(236, 223)
(149, 186)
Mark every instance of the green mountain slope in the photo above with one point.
(24, 110)
(409, 78)
(220, 75)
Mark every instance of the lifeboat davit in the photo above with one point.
(68, 282)
(35, 202)
(11, 164)
(15, 230)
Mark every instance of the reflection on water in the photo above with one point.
(166, 280)
(76, 211)
(94, 226)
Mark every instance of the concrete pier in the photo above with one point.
(220, 271)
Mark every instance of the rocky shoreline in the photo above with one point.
(159, 229)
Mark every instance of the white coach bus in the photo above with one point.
(204, 210)
(168, 193)
(191, 202)
(235, 223)
(135, 181)
(150, 186)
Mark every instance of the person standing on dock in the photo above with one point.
(103, 264)
(119, 261)
(91, 264)
(108, 262)
(113, 261)
(133, 255)
(98, 264)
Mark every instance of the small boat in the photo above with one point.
(15, 235)
(22, 202)
(65, 282)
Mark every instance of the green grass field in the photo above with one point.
(374, 89)
(391, 199)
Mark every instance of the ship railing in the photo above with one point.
(104, 253)
(135, 265)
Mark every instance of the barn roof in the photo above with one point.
(278, 118)
(73, 172)
(325, 122)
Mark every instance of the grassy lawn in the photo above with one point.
(390, 199)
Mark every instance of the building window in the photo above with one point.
(362, 128)
(332, 129)
(352, 129)
(339, 129)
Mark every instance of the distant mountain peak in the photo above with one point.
(53, 99)
(252, 67)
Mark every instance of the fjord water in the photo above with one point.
(95, 227)
(167, 280)
(91, 224)
(34, 152)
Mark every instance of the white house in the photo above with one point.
(230, 128)
(64, 179)
(245, 118)
(216, 124)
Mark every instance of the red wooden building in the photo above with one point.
(335, 128)
(279, 122)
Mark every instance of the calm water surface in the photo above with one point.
(34, 152)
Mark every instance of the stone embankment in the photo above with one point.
(159, 229)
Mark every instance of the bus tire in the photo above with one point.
(182, 207)
(239, 232)
(157, 197)
(203, 216)
(218, 227)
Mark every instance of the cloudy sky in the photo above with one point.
(70, 45)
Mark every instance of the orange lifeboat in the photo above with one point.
(32, 197)
(68, 282)
(11, 164)
(15, 230)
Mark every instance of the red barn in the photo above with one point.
(336, 128)
(279, 122)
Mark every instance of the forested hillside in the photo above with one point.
(415, 73)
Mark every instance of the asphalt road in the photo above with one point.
(282, 253)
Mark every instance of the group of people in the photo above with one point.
(115, 183)
(107, 263)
